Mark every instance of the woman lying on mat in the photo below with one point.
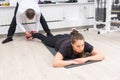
(70, 46)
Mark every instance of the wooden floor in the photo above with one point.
(31, 60)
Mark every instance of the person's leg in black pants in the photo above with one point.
(47, 40)
(12, 28)
(45, 26)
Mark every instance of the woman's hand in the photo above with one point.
(75, 62)
(81, 60)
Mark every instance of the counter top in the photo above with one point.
(52, 4)
(59, 4)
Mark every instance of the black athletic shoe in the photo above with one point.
(8, 39)
(49, 34)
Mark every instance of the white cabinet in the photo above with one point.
(89, 11)
(71, 12)
(6, 14)
(67, 15)
(52, 13)
(61, 15)
(71, 15)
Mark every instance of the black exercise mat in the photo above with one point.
(88, 62)
(52, 50)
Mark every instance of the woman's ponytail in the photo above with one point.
(76, 36)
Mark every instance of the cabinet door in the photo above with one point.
(89, 13)
(52, 13)
(71, 12)
(6, 15)
(89, 10)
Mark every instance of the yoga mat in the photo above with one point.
(52, 50)
(88, 62)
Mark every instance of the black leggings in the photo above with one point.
(50, 40)
(13, 24)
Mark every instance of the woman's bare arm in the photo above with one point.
(59, 62)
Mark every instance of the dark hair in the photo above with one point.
(30, 13)
(76, 36)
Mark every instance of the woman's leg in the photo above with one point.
(47, 40)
